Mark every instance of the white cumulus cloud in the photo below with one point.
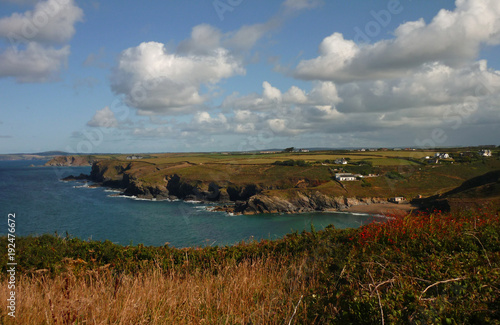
(51, 21)
(34, 64)
(452, 38)
(156, 81)
(32, 35)
(104, 118)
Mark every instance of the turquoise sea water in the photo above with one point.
(44, 204)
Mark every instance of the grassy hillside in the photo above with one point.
(401, 173)
(418, 269)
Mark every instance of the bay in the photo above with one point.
(44, 204)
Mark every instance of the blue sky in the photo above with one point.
(170, 76)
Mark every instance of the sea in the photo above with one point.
(43, 204)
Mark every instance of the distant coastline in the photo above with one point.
(250, 203)
(285, 182)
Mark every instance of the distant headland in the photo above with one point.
(293, 181)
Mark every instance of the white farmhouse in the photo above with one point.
(441, 155)
(485, 153)
(345, 177)
(341, 161)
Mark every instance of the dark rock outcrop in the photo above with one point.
(70, 161)
(304, 202)
(265, 204)
(241, 193)
(248, 199)
(76, 178)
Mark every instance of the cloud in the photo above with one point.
(204, 39)
(96, 60)
(156, 81)
(247, 36)
(31, 56)
(302, 4)
(322, 93)
(103, 118)
(20, 2)
(452, 38)
(393, 91)
(270, 92)
(34, 64)
(432, 85)
(203, 123)
(51, 21)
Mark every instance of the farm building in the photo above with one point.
(134, 157)
(485, 153)
(341, 161)
(397, 199)
(345, 177)
(441, 155)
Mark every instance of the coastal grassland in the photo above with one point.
(264, 175)
(425, 268)
(392, 162)
(397, 176)
(260, 291)
(410, 182)
(260, 158)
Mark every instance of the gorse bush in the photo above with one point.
(422, 268)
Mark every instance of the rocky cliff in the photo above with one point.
(247, 199)
(70, 161)
(304, 202)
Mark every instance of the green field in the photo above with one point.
(316, 173)
(382, 158)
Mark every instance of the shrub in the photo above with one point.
(394, 175)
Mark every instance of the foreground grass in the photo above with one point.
(256, 292)
(418, 269)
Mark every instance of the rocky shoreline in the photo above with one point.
(305, 202)
(249, 199)
(67, 161)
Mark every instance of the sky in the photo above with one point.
(238, 75)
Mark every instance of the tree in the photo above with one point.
(289, 149)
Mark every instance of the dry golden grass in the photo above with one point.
(258, 292)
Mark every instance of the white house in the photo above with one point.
(441, 155)
(341, 161)
(397, 199)
(485, 153)
(345, 177)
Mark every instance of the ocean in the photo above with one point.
(44, 204)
